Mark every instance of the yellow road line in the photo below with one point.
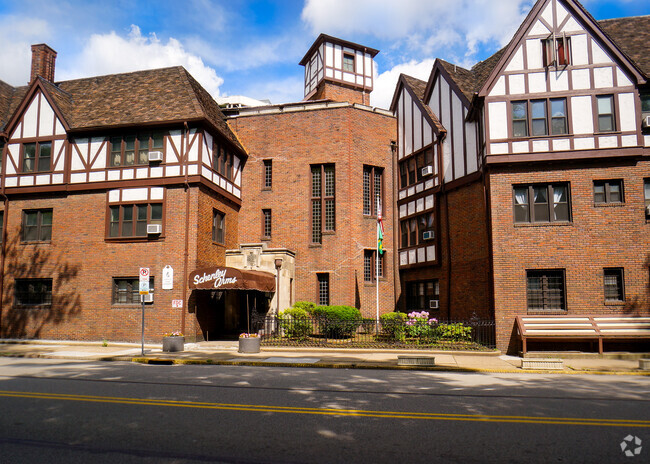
(331, 411)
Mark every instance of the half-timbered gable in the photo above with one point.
(35, 153)
(561, 89)
(449, 95)
(420, 138)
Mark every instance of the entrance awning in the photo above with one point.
(230, 278)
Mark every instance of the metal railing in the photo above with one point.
(473, 334)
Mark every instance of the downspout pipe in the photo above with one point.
(187, 225)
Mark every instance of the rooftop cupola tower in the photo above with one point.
(338, 70)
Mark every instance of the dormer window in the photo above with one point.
(348, 62)
(556, 50)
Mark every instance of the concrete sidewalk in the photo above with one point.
(225, 353)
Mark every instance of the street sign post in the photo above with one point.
(144, 290)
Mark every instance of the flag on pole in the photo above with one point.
(380, 231)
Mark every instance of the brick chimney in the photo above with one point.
(43, 58)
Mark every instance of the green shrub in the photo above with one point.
(456, 332)
(393, 325)
(337, 321)
(368, 325)
(307, 306)
(295, 323)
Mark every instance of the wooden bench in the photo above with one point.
(589, 328)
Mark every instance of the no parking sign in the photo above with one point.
(144, 281)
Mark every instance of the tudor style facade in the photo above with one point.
(545, 145)
(102, 176)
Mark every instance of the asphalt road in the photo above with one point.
(87, 412)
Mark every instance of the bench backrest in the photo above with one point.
(583, 326)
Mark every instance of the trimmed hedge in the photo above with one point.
(337, 321)
(295, 322)
(392, 325)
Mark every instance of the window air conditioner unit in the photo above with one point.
(154, 229)
(427, 170)
(148, 298)
(646, 121)
(434, 304)
(428, 235)
(155, 156)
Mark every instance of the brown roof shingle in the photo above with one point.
(632, 36)
(132, 99)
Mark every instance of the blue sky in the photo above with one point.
(252, 47)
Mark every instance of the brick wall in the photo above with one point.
(349, 138)
(341, 93)
(82, 265)
(597, 237)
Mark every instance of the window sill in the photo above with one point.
(266, 189)
(41, 307)
(555, 312)
(542, 224)
(218, 243)
(609, 205)
(265, 239)
(614, 303)
(35, 242)
(158, 238)
(329, 232)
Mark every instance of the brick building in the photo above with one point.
(103, 176)
(315, 171)
(541, 152)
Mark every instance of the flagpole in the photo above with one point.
(377, 262)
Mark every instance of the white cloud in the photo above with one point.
(111, 54)
(421, 27)
(385, 83)
(17, 34)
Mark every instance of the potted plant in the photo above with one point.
(249, 343)
(173, 341)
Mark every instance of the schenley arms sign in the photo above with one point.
(230, 278)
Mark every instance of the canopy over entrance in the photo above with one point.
(230, 278)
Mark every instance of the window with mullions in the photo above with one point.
(37, 225)
(268, 174)
(37, 157)
(132, 220)
(323, 289)
(422, 296)
(218, 227)
(606, 115)
(646, 197)
(613, 282)
(542, 203)
(645, 106)
(126, 290)
(323, 196)
(545, 290)
(608, 191)
(372, 189)
(539, 121)
(222, 160)
(348, 62)
(417, 230)
(133, 149)
(33, 292)
(266, 223)
(370, 265)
